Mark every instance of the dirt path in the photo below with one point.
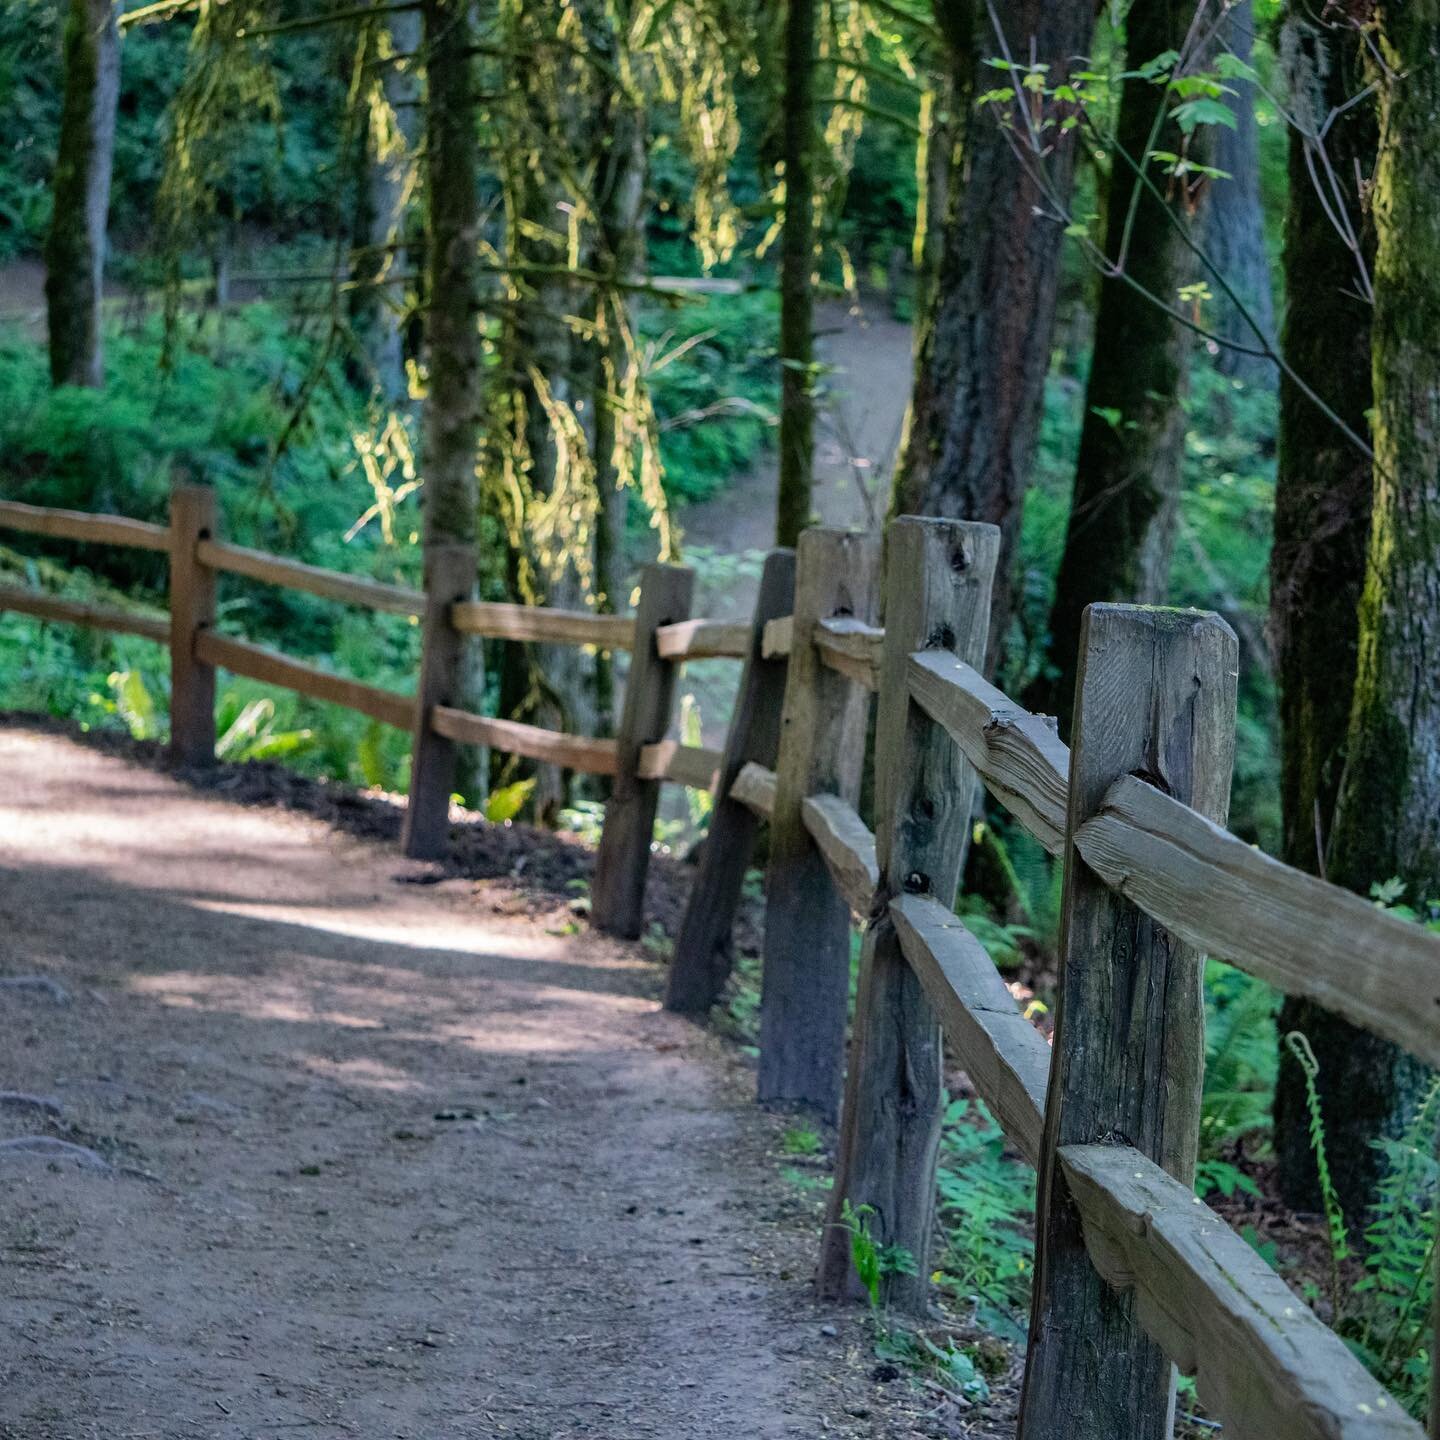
(368, 1158)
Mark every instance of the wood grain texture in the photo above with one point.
(1005, 1056)
(695, 766)
(534, 622)
(754, 788)
(448, 672)
(703, 952)
(1264, 1364)
(805, 984)
(194, 518)
(1300, 934)
(853, 648)
(847, 847)
(1018, 755)
(617, 893)
(260, 663)
(1155, 695)
(937, 597)
(779, 637)
(312, 579)
(82, 612)
(78, 525)
(703, 640)
(573, 752)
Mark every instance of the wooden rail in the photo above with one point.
(75, 525)
(703, 640)
(1151, 881)
(573, 752)
(551, 627)
(270, 666)
(83, 612)
(328, 584)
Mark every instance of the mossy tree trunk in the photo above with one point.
(75, 246)
(377, 306)
(621, 174)
(984, 344)
(797, 261)
(1121, 529)
(1387, 820)
(451, 419)
(1322, 521)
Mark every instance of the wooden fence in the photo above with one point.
(1134, 1275)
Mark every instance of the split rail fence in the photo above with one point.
(1134, 1275)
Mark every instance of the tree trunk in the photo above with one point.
(1121, 529)
(1387, 819)
(1234, 220)
(1322, 521)
(797, 261)
(619, 200)
(75, 246)
(451, 421)
(984, 348)
(377, 301)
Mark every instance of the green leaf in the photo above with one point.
(508, 801)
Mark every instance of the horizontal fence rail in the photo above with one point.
(86, 613)
(258, 662)
(76, 525)
(293, 575)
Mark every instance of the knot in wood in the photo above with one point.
(917, 883)
(959, 560)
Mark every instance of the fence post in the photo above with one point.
(938, 577)
(617, 894)
(703, 951)
(1154, 697)
(805, 991)
(445, 661)
(193, 518)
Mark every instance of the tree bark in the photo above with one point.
(984, 348)
(1387, 819)
(377, 310)
(620, 198)
(451, 420)
(1322, 521)
(1121, 530)
(75, 246)
(1234, 219)
(797, 260)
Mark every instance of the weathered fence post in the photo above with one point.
(1154, 697)
(446, 661)
(193, 518)
(806, 977)
(703, 951)
(938, 575)
(617, 894)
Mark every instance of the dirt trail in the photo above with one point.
(374, 1158)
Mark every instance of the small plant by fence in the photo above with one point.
(1134, 1275)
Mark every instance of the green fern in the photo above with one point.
(1340, 1250)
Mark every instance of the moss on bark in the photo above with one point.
(1386, 796)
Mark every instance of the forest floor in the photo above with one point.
(295, 1145)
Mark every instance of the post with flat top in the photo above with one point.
(617, 895)
(447, 674)
(193, 518)
(938, 577)
(1154, 698)
(703, 949)
(806, 976)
